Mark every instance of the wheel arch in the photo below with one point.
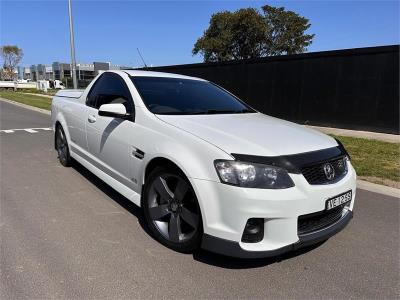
(60, 121)
(164, 161)
(158, 162)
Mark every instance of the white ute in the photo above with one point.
(208, 170)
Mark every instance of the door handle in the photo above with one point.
(91, 119)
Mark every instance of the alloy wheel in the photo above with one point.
(62, 146)
(172, 208)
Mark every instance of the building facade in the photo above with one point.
(62, 71)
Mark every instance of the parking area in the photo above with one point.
(66, 234)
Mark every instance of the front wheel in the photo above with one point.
(62, 147)
(171, 210)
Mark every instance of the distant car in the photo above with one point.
(56, 84)
(207, 169)
(59, 85)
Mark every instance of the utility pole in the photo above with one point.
(72, 44)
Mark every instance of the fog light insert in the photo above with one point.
(253, 231)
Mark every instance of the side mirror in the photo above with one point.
(115, 110)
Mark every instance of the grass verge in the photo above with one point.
(33, 100)
(374, 161)
(50, 92)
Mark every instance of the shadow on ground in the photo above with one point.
(200, 255)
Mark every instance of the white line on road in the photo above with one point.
(30, 130)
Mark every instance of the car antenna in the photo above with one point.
(141, 57)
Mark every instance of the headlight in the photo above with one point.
(252, 175)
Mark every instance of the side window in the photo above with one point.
(110, 88)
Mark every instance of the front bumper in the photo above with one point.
(226, 209)
(233, 249)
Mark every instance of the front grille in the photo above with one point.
(315, 174)
(317, 221)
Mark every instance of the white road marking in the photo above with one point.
(30, 130)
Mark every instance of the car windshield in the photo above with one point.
(175, 96)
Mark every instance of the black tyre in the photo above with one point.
(62, 147)
(171, 210)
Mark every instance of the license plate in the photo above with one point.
(338, 200)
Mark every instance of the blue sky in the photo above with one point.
(165, 31)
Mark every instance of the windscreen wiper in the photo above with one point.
(213, 111)
(245, 110)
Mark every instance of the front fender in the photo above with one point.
(60, 119)
(195, 161)
(157, 139)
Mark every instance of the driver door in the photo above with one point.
(109, 138)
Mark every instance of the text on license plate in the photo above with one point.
(338, 200)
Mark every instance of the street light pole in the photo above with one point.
(72, 44)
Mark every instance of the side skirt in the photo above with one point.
(116, 185)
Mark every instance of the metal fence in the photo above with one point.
(354, 88)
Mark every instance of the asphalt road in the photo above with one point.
(65, 234)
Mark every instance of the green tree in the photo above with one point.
(285, 31)
(11, 56)
(250, 33)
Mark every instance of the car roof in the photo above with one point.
(136, 73)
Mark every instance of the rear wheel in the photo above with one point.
(171, 210)
(62, 147)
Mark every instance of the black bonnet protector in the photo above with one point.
(293, 163)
